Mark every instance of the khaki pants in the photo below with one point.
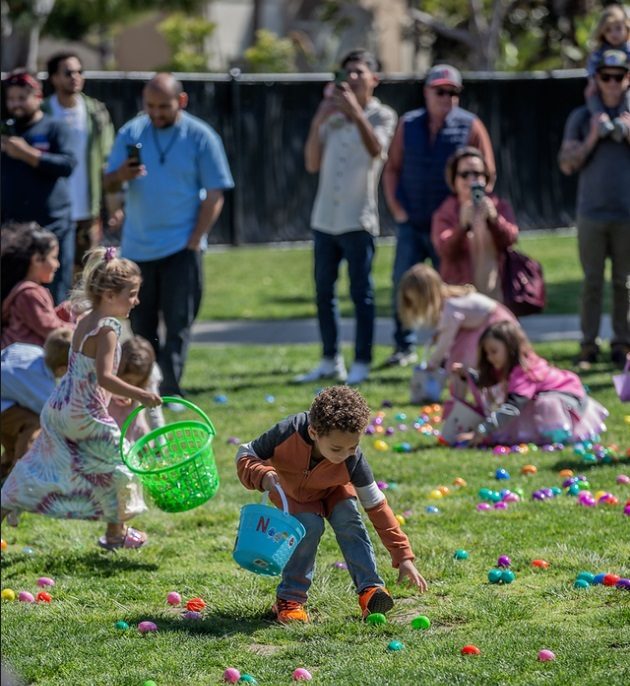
(597, 241)
(19, 428)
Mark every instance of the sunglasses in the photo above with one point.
(441, 92)
(470, 174)
(70, 72)
(614, 77)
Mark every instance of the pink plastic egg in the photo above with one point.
(623, 479)
(44, 581)
(173, 598)
(26, 597)
(147, 627)
(483, 506)
(231, 675)
(546, 655)
(301, 674)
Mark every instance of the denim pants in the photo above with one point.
(357, 248)
(598, 240)
(171, 286)
(353, 540)
(413, 245)
(62, 282)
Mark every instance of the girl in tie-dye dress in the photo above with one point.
(74, 470)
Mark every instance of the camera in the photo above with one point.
(133, 153)
(341, 76)
(477, 192)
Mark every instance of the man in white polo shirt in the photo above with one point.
(347, 144)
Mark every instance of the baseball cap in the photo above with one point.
(443, 75)
(613, 59)
(22, 78)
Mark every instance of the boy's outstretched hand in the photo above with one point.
(407, 570)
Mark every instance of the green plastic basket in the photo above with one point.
(175, 462)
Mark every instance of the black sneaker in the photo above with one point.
(618, 355)
(402, 358)
(588, 355)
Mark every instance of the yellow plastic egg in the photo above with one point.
(8, 594)
(599, 494)
(401, 520)
(435, 494)
(380, 445)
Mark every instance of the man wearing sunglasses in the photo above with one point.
(603, 207)
(92, 139)
(414, 182)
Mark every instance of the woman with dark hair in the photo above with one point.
(28, 263)
(471, 229)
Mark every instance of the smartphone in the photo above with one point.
(341, 76)
(133, 153)
(7, 127)
(477, 191)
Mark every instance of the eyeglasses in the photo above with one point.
(70, 72)
(469, 173)
(441, 92)
(607, 77)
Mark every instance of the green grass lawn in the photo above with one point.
(270, 282)
(73, 641)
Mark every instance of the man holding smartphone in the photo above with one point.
(174, 187)
(347, 144)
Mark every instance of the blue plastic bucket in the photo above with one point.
(267, 537)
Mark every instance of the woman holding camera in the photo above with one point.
(471, 229)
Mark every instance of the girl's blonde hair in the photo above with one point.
(610, 14)
(104, 271)
(421, 295)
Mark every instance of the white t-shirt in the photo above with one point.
(76, 118)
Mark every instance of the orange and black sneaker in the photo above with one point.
(287, 611)
(375, 599)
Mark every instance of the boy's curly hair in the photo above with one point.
(339, 408)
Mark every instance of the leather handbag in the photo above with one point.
(522, 284)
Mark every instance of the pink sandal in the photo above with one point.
(132, 539)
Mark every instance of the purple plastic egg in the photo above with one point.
(192, 615)
(147, 627)
(500, 505)
(389, 431)
(511, 498)
(538, 495)
(483, 506)
(623, 585)
(402, 427)
(623, 479)
(369, 430)
(382, 485)
(546, 655)
(44, 581)
(504, 561)
(341, 565)
(26, 597)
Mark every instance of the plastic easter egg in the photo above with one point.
(507, 576)
(26, 597)
(444, 490)
(504, 561)
(3, 544)
(500, 506)
(340, 565)
(121, 626)
(270, 398)
(147, 627)
(231, 675)
(220, 399)
(566, 472)
(623, 585)
(494, 576)
(421, 622)
(546, 655)
(173, 598)
(621, 479)
(540, 564)
(382, 485)
(403, 447)
(8, 594)
(389, 431)
(431, 509)
(401, 520)
(581, 583)
(27, 550)
(459, 482)
(149, 682)
(191, 615)
(43, 597)
(376, 618)
(195, 604)
(379, 429)
(234, 440)
(587, 576)
(369, 430)
(481, 507)
(470, 650)
(484, 493)
(461, 554)
(395, 646)
(502, 474)
(610, 579)
(435, 494)
(380, 445)
(247, 679)
(529, 469)
(44, 581)
(301, 674)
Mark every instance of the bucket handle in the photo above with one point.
(165, 399)
(285, 504)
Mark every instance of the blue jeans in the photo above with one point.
(413, 245)
(61, 284)
(353, 540)
(357, 248)
(171, 286)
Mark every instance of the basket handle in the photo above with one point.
(285, 504)
(165, 399)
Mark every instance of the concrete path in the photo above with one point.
(539, 328)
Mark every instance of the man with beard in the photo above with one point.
(37, 160)
(175, 170)
(92, 138)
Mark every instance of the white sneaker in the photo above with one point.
(359, 372)
(327, 369)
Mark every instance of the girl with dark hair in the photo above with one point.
(29, 262)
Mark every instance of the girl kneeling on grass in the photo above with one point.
(73, 470)
(539, 402)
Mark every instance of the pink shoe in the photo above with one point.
(132, 539)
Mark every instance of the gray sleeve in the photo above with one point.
(508, 411)
(362, 479)
(265, 445)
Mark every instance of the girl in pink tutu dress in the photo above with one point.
(74, 469)
(539, 403)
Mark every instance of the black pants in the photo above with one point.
(172, 287)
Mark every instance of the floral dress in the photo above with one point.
(74, 469)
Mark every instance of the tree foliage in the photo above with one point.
(186, 37)
(270, 54)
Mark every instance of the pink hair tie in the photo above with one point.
(110, 254)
